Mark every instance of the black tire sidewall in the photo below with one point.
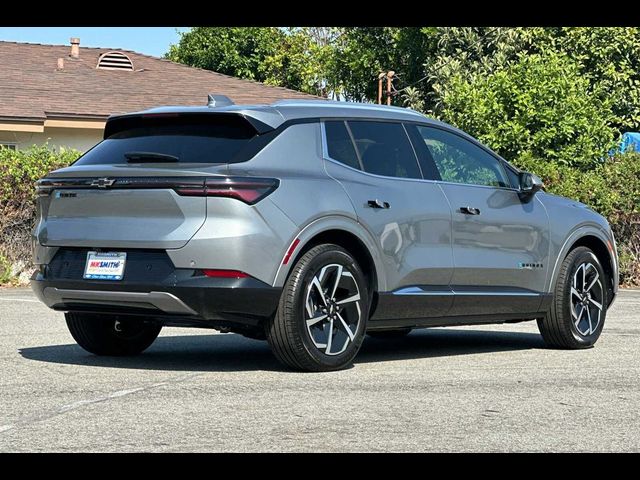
(340, 256)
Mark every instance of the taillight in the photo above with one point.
(248, 190)
(224, 273)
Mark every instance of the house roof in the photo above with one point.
(34, 89)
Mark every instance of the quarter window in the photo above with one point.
(339, 144)
(384, 149)
(460, 161)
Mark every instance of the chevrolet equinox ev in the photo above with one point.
(310, 224)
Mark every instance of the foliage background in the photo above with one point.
(19, 171)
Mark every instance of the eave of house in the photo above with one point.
(52, 120)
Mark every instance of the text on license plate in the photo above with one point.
(105, 265)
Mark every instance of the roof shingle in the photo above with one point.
(32, 86)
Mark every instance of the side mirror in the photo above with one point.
(530, 184)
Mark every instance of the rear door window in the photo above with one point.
(339, 144)
(189, 139)
(384, 149)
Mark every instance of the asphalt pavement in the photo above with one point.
(481, 388)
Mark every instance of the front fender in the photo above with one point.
(594, 230)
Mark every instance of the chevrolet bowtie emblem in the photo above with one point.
(103, 182)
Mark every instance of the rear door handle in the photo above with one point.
(470, 210)
(378, 204)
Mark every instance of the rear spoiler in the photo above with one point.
(119, 123)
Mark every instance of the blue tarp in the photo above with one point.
(630, 142)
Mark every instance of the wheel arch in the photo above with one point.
(345, 233)
(598, 242)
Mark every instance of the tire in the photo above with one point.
(97, 334)
(575, 321)
(390, 334)
(307, 348)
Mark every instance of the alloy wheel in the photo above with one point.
(587, 298)
(333, 309)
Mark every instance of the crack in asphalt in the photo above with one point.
(31, 419)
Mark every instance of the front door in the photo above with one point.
(500, 241)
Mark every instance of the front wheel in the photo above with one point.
(322, 314)
(579, 308)
(111, 335)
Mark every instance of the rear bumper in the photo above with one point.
(196, 300)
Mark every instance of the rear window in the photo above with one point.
(190, 139)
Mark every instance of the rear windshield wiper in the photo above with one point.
(150, 157)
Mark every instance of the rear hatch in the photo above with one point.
(141, 187)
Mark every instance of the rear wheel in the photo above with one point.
(389, 334)
(322, 314)
(579, 308)
(109, 335)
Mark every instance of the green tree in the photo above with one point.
(538, 105)
(237, 51)
(609, 57)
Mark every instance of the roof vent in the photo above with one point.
(114, 61)
(219, 101)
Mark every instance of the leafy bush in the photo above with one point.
(19, 169)
(538, 106)
(612, 189)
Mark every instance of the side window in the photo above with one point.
(339, 144)
(460, 161)
(384, 149)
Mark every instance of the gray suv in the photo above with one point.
(310, 224)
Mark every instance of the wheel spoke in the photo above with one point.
(590, 324)
(337, 282)
(316, 283)
(597, 305)
(312, 321)
(577, 316)
(351, 299)
(346, 327)
(575, 292)
(584, 276)
(593, 282)
(329, 338)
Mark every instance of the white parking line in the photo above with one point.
(29, 300)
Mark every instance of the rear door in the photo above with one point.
(500, 241)
(135, 188)
(408, 217)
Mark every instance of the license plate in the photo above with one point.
(105, 265)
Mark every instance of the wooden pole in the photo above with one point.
(380, 77)
(390, 75)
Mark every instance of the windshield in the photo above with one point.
(189, 139)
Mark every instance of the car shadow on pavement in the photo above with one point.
(232, 352)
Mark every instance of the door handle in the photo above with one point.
(470, 210)
(378, 204)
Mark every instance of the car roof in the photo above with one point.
(282, 111)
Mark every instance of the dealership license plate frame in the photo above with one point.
(108, 271)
